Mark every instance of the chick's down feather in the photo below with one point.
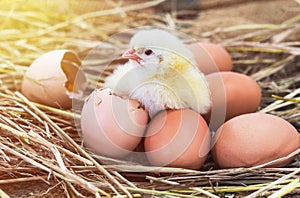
(166, 78)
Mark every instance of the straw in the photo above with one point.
(39, 143)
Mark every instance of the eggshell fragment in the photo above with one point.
(211, 57)
(112, 126)
(253, 139)
(54, 78)
(232, 94)
(177, 138)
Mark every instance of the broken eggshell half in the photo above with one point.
(54, 78)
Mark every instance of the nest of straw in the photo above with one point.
(41, 150)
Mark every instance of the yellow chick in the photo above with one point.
(161, 74)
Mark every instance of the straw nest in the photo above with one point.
(41, 151)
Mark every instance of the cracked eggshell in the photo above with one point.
(54, 78)
(254, 139)
(111, 125)
(177, 138)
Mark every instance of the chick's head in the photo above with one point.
(151, 48)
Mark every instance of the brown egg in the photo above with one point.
(211, 57)
(177, 138)
(54, 78)
(254, 139)
(232, 94)
(111, 125)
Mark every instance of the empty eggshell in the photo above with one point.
(232, 94)
(111, 125)
(253, 139)
(211, 57)
(54, 78)
(177, 138)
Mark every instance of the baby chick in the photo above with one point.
(161, 74)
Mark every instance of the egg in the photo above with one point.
(111, 125)
(232, 94)
(254, 139)
(54, 78)
(210, 57)
(177, 138)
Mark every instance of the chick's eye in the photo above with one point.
(148, 52)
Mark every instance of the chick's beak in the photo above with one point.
(132, 55)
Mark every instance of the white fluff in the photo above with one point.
(167, 79)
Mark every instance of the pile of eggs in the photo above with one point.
(116, 127)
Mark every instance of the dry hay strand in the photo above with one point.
(42, 149)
